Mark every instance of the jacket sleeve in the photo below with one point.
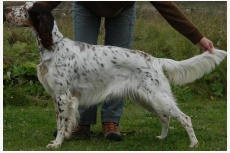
(178, 20)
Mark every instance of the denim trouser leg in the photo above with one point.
(119, 32)
(86, 27)
(86, 24)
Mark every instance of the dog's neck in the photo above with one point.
(57, 37)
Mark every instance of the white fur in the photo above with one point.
(187, 71)
(76, 73)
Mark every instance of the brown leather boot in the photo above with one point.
(111, 131)
(84, 129)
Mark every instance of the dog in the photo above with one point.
(76, 73)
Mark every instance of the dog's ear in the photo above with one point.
(43, 23)
(45, 29)
(46, 22)
(42, 20)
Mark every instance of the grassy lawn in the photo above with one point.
(30, 128)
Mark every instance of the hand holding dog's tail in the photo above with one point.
(182, 72)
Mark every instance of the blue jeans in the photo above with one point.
(118, 32)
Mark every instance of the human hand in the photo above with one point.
(206, 45)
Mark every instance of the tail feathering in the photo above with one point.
(186, 71)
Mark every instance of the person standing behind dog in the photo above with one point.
(119, 30)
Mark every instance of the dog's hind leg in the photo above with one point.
(167, 107)
(165, 119)
(185, 121)
(67, 110)
(160, 101)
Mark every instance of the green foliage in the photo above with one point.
(183, 93)
(218, 88)
(16, 97)
(218, 85)
(19, 66)
(24, 76)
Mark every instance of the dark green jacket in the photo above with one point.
(110, 9)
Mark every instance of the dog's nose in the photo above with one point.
(8, 9)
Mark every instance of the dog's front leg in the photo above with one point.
(67, 114)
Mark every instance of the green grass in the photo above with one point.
(28, 112)
(30, 128)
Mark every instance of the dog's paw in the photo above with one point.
(195, 144)
(160, 137)
(53, 144)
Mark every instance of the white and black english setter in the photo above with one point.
(76, 73)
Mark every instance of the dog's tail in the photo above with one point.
(182, 72)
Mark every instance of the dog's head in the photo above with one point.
(30, 14)
(18, 15)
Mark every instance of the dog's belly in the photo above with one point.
(94, 92)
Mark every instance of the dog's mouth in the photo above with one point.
(11, 20)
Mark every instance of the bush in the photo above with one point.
(15, 96)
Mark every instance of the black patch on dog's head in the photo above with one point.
(43, 23)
